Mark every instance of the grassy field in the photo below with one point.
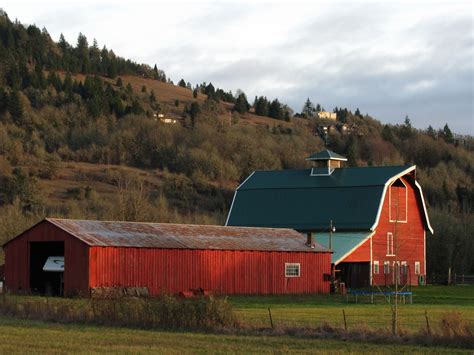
(22, 336)
(317, 309)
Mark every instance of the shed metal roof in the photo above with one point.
(350, 197)
(184, 236)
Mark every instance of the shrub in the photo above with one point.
(164, 312)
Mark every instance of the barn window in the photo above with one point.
(376, 267)
(292, 270)
(390, 244)
(386, 267)
(404, 268)
(417, 268)
(398, 202)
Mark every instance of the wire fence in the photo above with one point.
(409, 319)
(456, 279)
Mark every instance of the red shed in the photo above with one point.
(164, 258)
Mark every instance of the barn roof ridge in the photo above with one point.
(160, 223)
(184, 236)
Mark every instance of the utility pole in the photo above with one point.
(331, 230)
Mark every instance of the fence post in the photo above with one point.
(270, 315)
(345, 321)
(428, 328)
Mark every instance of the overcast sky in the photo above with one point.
(390, 59)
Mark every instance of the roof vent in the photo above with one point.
(325, 162)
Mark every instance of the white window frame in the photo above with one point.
(376, 267)
(417, 268)
(386, 267)
(390, 251)
(292, 265)
(390, 203)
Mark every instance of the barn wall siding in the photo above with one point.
(17, 273)
(224, 272)
(409, 236)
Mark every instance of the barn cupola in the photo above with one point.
(325, 162)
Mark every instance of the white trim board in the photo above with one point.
(353, 249)
(235, 195)
(387, 184)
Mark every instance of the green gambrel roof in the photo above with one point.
(342, 243)
(326, 155)
(350, 197)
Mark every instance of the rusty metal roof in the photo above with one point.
(184, 236)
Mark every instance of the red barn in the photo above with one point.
(373, 218)
(74, 256)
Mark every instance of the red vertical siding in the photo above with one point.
(408, 236)
(361, 254)
(17, 273)
(225, 272)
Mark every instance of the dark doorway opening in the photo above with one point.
(354, 275)
(42, 282)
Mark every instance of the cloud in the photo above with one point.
(388, 59)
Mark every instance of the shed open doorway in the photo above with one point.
(48, 282)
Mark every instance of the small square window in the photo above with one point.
(292, 270)
(376, 267)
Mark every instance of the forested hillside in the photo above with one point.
(83, 134)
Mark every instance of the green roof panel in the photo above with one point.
(342, 243)
(350, 197)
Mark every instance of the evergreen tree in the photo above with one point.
(308, 109)
(262, 106)
(194, 111)
(94, 57)
(406, 130)
(431, 132)
(82, 51)
(241, 104)
(15, 106)
(3, 100)
(182, 83)
(447, 134)
(152, 97)
(275, 110)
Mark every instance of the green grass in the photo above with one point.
(316, 309)
(301, 311)
(22, 336)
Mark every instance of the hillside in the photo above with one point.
(81, 136)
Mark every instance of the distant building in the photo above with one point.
(327, 115)
(168, 120)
